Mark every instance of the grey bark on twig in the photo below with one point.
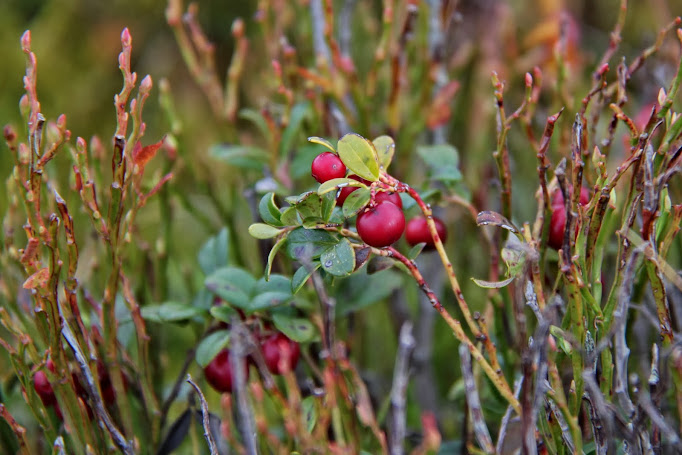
(485, 442)
(401, 379)
(205, 418)
(239, 349)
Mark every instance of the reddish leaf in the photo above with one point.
(38, 279)
(142, 155)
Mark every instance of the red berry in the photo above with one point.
(281, 353)
(558, 197)
(219, 372)
(346, 190)
(381, 225)
(556, 227)
(390, 196)
(43, 388)
(327, 166)
(417, 231)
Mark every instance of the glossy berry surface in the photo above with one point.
(393, 198)
(417, 231)
(281, 353)
(345, 191)
(556, 227)
(558, 197)
(219, 372)
(381, 225)
(327, 166)
(43, 388)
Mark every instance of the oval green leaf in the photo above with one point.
(302, 275)
(298, 329)
(321, 141)
(268, 210)
(211, 346)
(340, 259)
(272, 254)
(355, 202)
(385, 147)
(263, 231)
(334, 184)
(359, 155)
(232, 284)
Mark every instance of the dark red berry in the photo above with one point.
(281, 353)
(558, 197)
(417, 231)
(345, 191)
(219, 372)
(390, 196)
(43, 388)
(327, 166)
(556, 227)
(381, 225)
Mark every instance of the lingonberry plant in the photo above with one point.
(243, 276)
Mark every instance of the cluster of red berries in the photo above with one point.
(281, 355)
(47, 395)
(557, 224)
(382, 222)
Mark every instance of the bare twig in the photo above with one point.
(205, 417)
(474, 403)
(399, 390)
(239, 349)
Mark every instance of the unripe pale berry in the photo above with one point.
(381, 225)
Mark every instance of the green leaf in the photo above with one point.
(328, 204)
(276, 282)
(515, 258)
(298, 114)
(215, 252)
(300, 330)
(223, 313)
(290, 217)
(271, 256)
(268, 300)
(339, 260)
(360, 290)
(310, 206)
(442, 161)
(308, 244)
(355, 202)
(335, 184)
(170, 312)
(263, 231)
(385, 147)
(241, 156)
(211, 347)
(414, 252)
(560, 337)
(232, 284)
(302, 275)
(268, 210)
(358, 154)
(309, 410)
(322, 141)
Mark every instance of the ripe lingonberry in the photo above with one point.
(557, 223)
(281, 353)
(558, 196)
(390, 196)
(381, 225)
(43, 388)
(219, 372)
(346, 190)
(327, 166)
(417, 231)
